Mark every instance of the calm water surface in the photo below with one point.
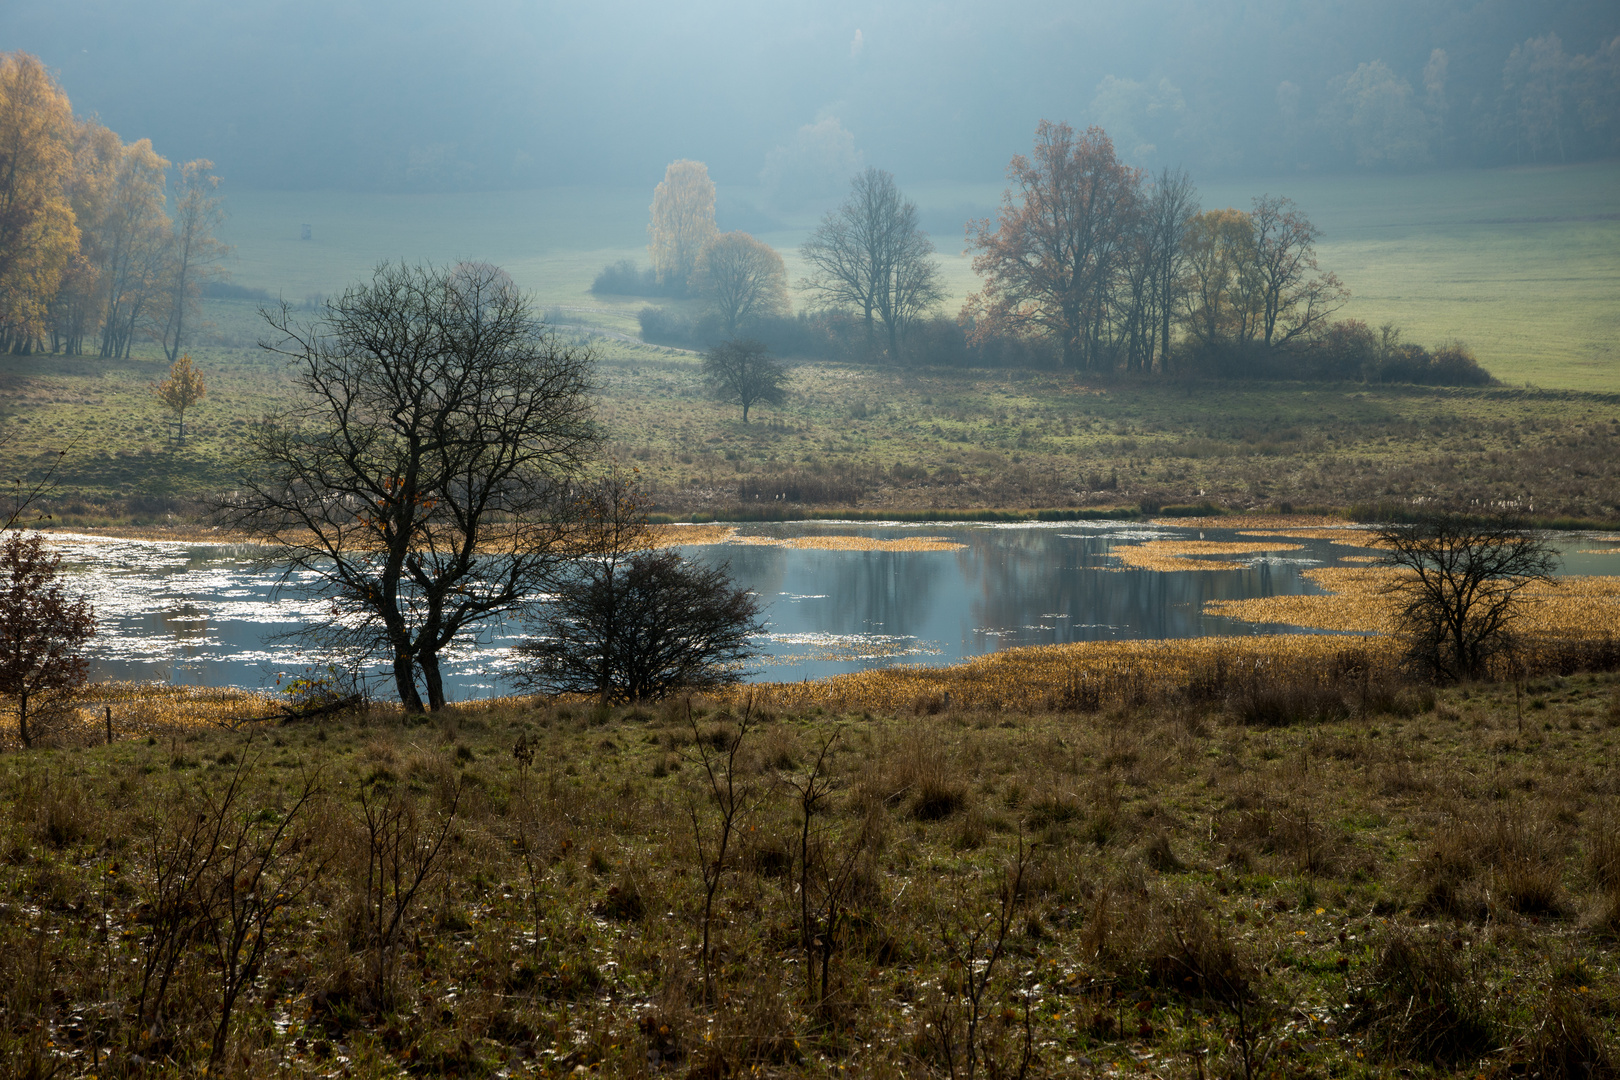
(207, 615)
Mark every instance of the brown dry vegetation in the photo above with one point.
(1261, 876)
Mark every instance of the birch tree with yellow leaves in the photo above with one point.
(682, 223)
(38, 237)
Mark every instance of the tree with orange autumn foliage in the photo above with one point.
(1061, 239)
(87, 251)
(181, 390)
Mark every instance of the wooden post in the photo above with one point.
(109, 725)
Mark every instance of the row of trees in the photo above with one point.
(1107, 263)
(1549, 106)
(1087, 253)
(95, 251)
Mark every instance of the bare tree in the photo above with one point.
(743, 371)
(742, 280)
(1169, 212)
(194, 252)
(1296, 297)
(42, 629)
(869, 255)
(1461, 588)
(423, 476)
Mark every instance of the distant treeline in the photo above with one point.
(1091, 266)
(1349, 351)
(91, 258)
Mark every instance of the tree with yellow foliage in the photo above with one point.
(181, 390)
(134, 247)
(38, 237)
(682, 223)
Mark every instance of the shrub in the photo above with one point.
(638, 628)
(624, 279)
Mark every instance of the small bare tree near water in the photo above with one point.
(1461, 589)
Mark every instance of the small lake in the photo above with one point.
(201, 614)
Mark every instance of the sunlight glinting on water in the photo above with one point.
(212, 615)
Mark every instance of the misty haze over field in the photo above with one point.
(415, 96)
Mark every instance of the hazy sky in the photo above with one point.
(411, 94)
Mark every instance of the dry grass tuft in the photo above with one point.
(1423, 1002)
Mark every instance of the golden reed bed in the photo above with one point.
(1166, 555)
(707, 535)
(1575, 607)
(1085, 673)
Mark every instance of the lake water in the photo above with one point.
(208, 615)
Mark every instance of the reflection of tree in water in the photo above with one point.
(760, 568)
(882, 592)
(184, 620)
(1019, 582)
(865, 592)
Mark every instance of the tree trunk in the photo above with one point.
(405, 680)
(429, 662)
(22, 720)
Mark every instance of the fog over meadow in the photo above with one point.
(790, 98)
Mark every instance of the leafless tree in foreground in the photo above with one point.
(1462, 588)
(424, 475)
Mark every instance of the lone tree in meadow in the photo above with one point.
(682, 223)
(42, 630)
(181, 390)
(743, 372)
(1460, 588)
(423, 473)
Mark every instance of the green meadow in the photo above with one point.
(1522, 264)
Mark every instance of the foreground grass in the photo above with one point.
(1345, 881)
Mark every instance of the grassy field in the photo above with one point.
(1235, 879)
(879, 440)
(1523, 264)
